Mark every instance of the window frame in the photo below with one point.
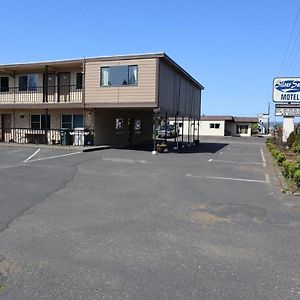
(242, 128)
(214, 125)
(4, 89)
(79, 86)
(119, 85)
(28, 87)
(72, 121)
(40, 121)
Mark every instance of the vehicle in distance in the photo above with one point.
(168, 130)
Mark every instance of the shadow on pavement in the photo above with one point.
(200, 148)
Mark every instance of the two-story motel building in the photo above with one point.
(112, 100)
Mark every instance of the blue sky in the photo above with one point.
(234, 48)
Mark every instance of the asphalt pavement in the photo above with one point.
(207, 223)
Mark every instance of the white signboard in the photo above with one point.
(285, 111)
(286, 89)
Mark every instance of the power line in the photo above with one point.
(289, 42)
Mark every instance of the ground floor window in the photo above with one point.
(71, 121)
(214, 125)
(40, 121)
(240, 129)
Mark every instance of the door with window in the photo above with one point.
(6, 127)
(63, 87)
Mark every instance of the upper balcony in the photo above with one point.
(41, 94)
(41, 83)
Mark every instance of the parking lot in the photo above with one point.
(207, 223)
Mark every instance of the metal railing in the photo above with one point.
(63, 136)
(54, 94)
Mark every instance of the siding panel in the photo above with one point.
(142, 93)
(177, 94)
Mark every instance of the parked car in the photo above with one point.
(162, 130)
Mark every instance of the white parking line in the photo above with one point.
(56, 156)
(124, 160)
(31, 156)
(235, 162)
(227, 178)
(263, 157)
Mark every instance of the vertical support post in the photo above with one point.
(45, 87)
(194, 131)
(182, 132)
(166, 127)
(154, 132)
(175, 147)
(268, 118)
(189, 125)
(46, 127)
(288, 127)
(198, 138)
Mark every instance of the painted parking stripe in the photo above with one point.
(56, 156)
(32, 155)
(124, 160)
(235, 162)
(263, 157)
(227, 178)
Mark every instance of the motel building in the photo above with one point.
(112, 100)
(216, 126)
(226, 125)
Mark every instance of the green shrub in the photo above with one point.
(297, 177)
(280, 158)
(289, 168)
(296, 143)
(275, 152)
(291, 139)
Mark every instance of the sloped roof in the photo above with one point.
(216, 118)
(245, 119)
(230, 118)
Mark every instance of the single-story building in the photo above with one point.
(216, 126)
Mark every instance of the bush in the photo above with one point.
(280, 158)
(275, 152)
(297, 177)
(291, 139)
(289, 168)
(296, 143)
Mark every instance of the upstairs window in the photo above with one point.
(118, 75)
(4, 82)
(28, 82)
(78, 81)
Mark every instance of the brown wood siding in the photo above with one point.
(177, 93)
(144, 92)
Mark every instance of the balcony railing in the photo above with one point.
(32, 95)
(65, 137)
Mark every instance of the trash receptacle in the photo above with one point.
(65, 137)
(78, 134)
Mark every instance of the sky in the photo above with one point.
(234, 48)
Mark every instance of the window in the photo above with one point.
(240, 129)
(118, 76)
(28, 82)
(78, 81)
(214, 125)
(4, 84)
(40, 121)
(71, 121)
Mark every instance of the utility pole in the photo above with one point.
(269, 118)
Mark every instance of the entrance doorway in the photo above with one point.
(63, 87)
